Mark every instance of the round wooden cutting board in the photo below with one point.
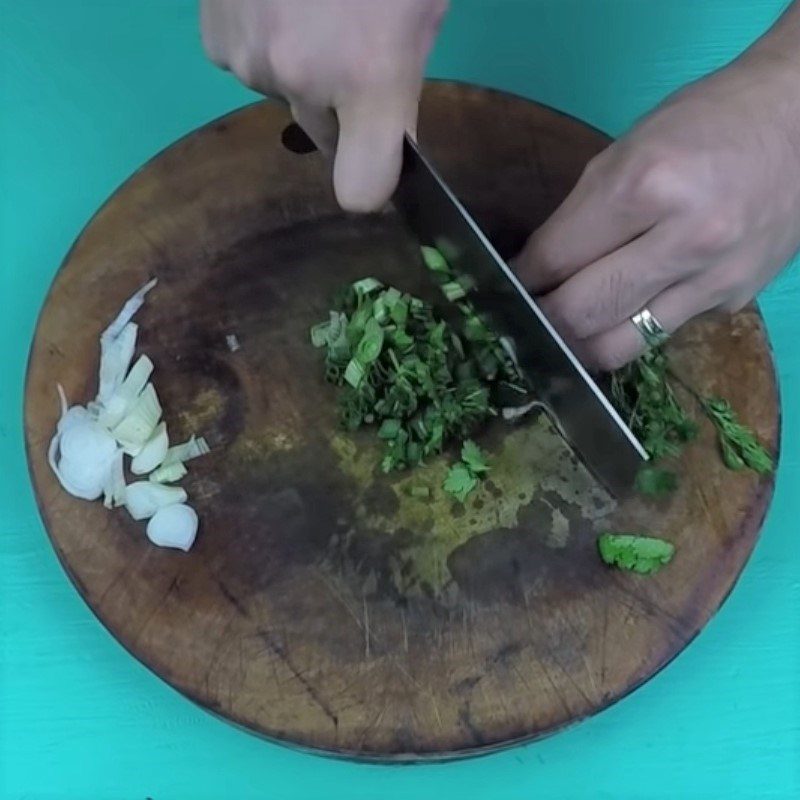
(323, 605)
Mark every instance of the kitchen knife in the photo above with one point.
(587, 418)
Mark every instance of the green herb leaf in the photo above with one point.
(739, 445)
(643, 395)
(459, 481)
(642, 554)
(474, 458)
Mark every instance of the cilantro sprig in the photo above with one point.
(739, 446)
(644, 392)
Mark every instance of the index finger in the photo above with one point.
(369, 149)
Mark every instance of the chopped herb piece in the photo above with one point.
(434, 260)
(369, 348)
(738, 443)
(399, 312)
(474, 458)
(644, 396)
(319, 334)
(642, 554)
(366, 286)
(420, 492)
(453, 290)
(389, 429)
(459, 481)
(354, 374)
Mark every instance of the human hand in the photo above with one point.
(351, 71)
(695, 209)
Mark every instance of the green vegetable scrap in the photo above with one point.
(474, 458)
(740, 448)
(645, 398)
(643, 554)
(460, 481)
(464, 475)
(404, 368)
(644, 394)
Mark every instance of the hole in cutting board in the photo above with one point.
(296, 140)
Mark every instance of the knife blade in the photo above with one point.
(590, 423)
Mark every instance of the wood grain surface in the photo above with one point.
(321, 605)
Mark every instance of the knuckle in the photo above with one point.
(373, 69)
(718, 231)
(654, 178)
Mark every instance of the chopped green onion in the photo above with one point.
(366, 286)
(453, 290)
(319, 334)
(369, 348)
(433, 259)
(354, 374)
(389, 428)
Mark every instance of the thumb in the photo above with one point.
(369, 150)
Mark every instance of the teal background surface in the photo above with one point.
(90, 90)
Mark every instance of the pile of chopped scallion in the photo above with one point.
(422, 380)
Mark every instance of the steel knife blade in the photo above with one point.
(588, 420)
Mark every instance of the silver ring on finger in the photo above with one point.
(651, 330)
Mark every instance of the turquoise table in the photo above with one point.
(92, 89)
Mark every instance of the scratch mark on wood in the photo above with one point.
(279, 650)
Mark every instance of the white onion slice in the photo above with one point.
(139, 423)
(193, 448)
(153, 451)
(117, 344)
(87, 441)
(144, 498)
(81, 452)
(115, 358)
(173, 526)
(124, 398)
(132, 305)
(168, 473)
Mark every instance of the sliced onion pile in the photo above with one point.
(88, 449)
